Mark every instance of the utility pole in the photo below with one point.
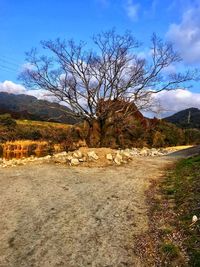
(189, 117)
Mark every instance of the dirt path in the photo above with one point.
(52, 215)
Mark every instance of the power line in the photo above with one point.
(8, 69)
(9, 60)
(4, 62)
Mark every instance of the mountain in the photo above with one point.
(29, 107)
(188, 118)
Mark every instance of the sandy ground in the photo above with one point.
(53, 215)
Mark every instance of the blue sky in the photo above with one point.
(24, 23)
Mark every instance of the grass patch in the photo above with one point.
(185, 180)
(183, 186)
(173, 200)
(171, 250)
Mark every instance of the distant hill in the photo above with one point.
(188, 118)
(31, 108)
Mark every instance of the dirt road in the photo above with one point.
(53, 215)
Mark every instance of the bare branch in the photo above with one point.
(83, 78)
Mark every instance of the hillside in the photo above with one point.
(188, 118)
(31, 108)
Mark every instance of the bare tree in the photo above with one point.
(85, 79)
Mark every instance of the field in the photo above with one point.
(11, 130)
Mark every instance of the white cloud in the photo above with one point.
(14, 88)
(169, 101)
(132, 9)
(174, 101)
(186, 35)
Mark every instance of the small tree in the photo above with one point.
(91, 81)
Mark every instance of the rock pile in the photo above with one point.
(76, 158)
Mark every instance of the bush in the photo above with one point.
(7, 121)
(166, 134)
(192, 136)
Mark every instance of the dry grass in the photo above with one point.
(25, 143)
(24, 148)
(44, 124)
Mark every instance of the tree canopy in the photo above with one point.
(112, 70)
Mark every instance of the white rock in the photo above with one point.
(56, 156)
(144, 152)
(92, 155)
(83, 159)
(74, 161)
(78, 154)
(134, 153)
(64, 153)
(118, 159)
(126, 154)
(47, 157)
(109, 156)
(194, 219)
(69, 158)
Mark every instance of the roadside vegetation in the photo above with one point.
(135, 131)
(173, 240)
(11, 130)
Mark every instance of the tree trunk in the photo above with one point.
(93, 133)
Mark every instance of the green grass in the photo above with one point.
(170, 249)
(183, 186)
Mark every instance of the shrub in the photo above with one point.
(7, 121)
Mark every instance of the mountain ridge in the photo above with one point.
(24, 106)
(187, 118)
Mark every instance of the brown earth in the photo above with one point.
(53, 215)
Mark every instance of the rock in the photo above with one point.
(57, 155)
(69, 158)
(118, 159)
(109, 156)
(60, 160)
(152, 152)
(74, 162)
(84, 159)
(144, 152)
(92, 155)
(47, 157)
(194, 218)
(78, 154)
(126, 154)
(134, 153)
